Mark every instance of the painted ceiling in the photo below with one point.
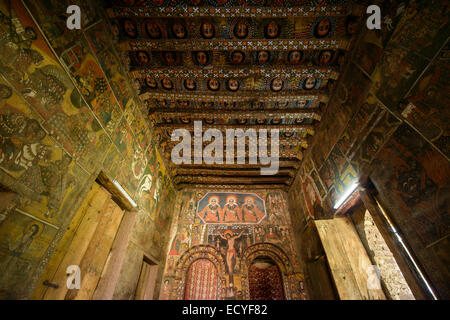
(262, 64)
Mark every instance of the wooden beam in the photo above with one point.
(293, 142)
(215, 113)
(348, 259)
(231, 186)
(282, 127)
(294, 163)
(240, 96)
(111, 272)
(79, 244)
(220, 12)
(229, 172)
(233, 180)
(234, 44)
(94, 259)
(230, 71)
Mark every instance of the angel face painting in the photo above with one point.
(351, 25)
(233, 85)
(142, 57)
(115, 29)
(272, 30)
(309, 83)
(325, 57)
(158, 2)
(294, 57)
(276, 84)
(151, 83)
(237, 57)
(213, 84)
(179, 30)
(263, 57)
(170, 58)
(301, 104)
(190, 84)
(129, 28)
(153, 30)
(240, 30)
(167, 84)
(201, 58)
(5, 92)
(207, 30)
(323, 28)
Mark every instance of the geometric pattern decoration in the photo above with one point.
(237, 55)
(265, 284)
(202, 281)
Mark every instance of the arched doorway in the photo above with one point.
(202, 281)
(265, 280)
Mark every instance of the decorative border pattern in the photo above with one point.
(256, 44)
(230, 12)
(216, 72)
(185, 261)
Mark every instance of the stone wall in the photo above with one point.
(391, 277)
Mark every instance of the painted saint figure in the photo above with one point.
(231, 211)
(19, 247)
(212, 212)
(250, 212)
(231, 251)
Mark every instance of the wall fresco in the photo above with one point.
(415, 192)
(61, 123)
(426, 110)
(409, 169)
(231, 208)
(231, 241)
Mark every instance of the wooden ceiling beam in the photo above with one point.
(232, 186)
(286, 164)
(233, 44)
(304, 11)
(244, 172)
(222, 112)
(282, 142)
(235, 72)
(282, 127)
(240, 96)
(233, 180)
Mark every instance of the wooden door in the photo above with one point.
(348, 260)
(147, 280)
(86, 244)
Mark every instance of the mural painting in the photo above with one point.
(60, 125)
(425, 110)
(416, 193)
(231, 208)
(231, 224)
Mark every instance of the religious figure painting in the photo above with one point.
(231, 208)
